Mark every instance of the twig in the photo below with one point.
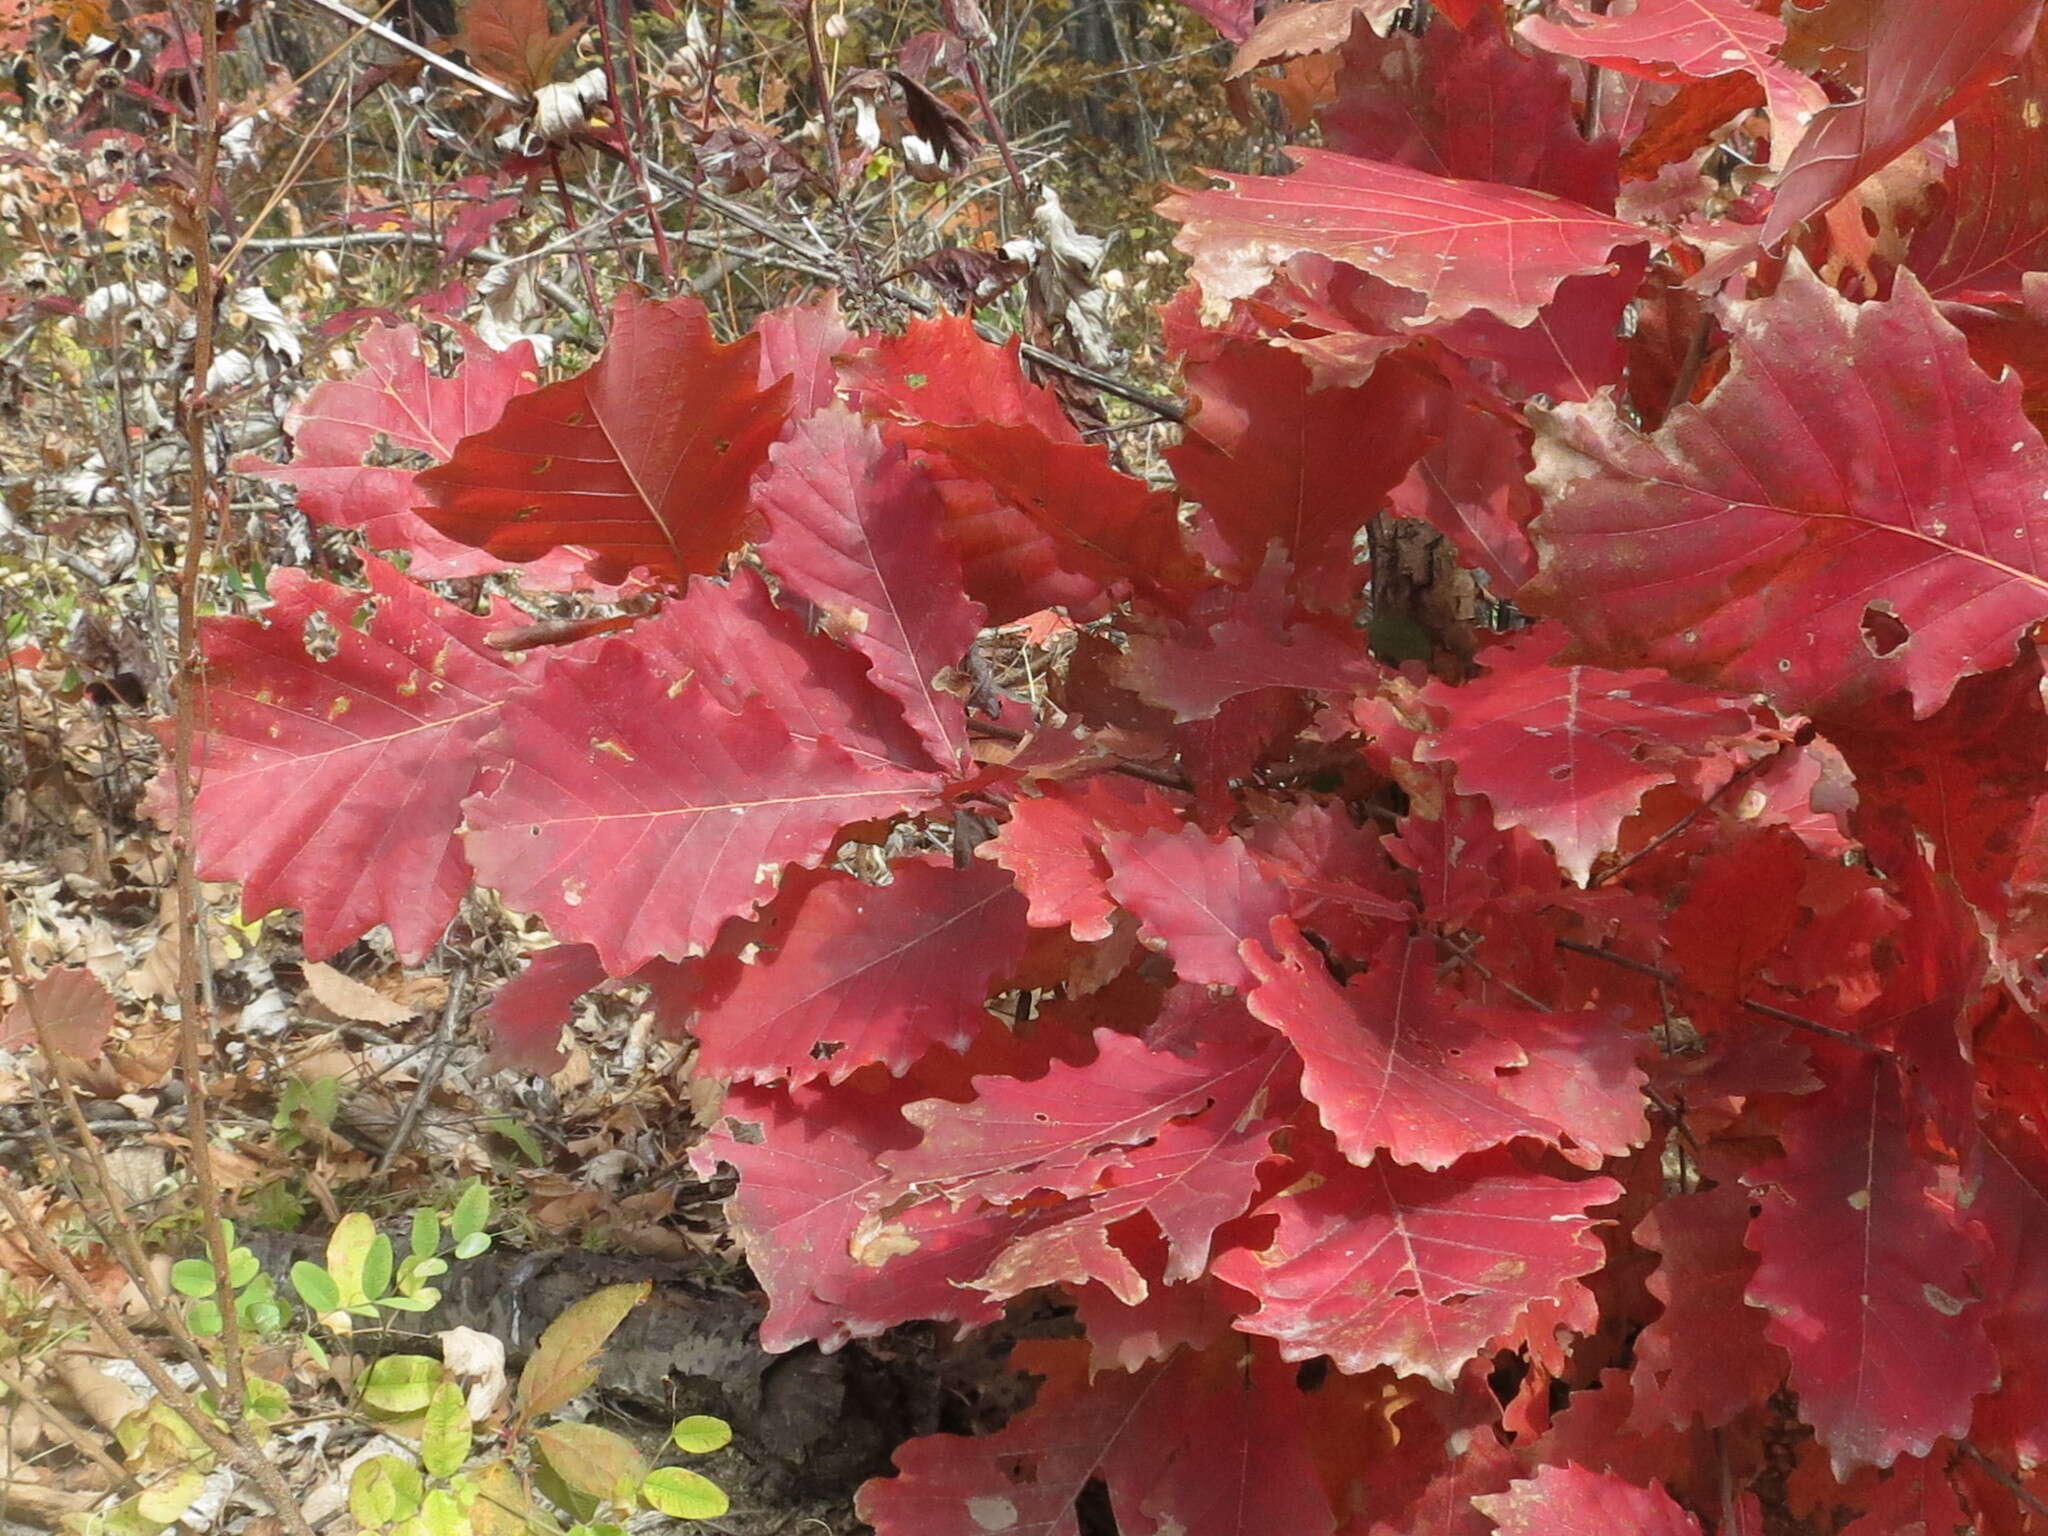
(629, 126)
(75, 1437)
(425, 55)
(2004, 1479)
(430, 1073)
(127, 1242)
(1165, 778)
(191, 914)
(236, 1447)
(1672, 979)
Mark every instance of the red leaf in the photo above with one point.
(337, 786)
(1471, 105)
(1706, 1356)
(1742, 905)
(513, 41)
(1915, 66)
(1053, 845)
(2013, 1207)
(1394, 1064)
(1060, 1131)
(863, 974)
(1461, 245)
(523, 1019)
(1415, 1270)
(1471, 486)
(644, 459)
(394, 398)
(1200, 1444)
(1916, 1500)
(1855, 510)
(808, 1210)
(1990, 224)
(801, 343)
(1865, 1266)
(1570, 1501)
(1191, 1179)
(1569, 752)
(1239, 646)
(731, 639)
(1272, 459)
(1688, 40)
(942, 372)
(75, 1010)
(1197, 898)
(857, 530)
(636, 815)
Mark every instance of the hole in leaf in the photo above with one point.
(1884, 633)
(321, 637)
(825, 1050)
(1092, 1510)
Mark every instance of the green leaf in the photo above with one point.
(426, 1233)
(165, 1500)
(443, 1515)
(520, 1137)
(316, 1287)
(700, 1434)
(401, 1384)
(469, 1247)
(203, 1318)
(348, 1253)
(472, 1210)
(592, 1460)
(377, 1269)
(265, 1402)
(445, 1437)
(384, 1489)
(564, 1363)
(242, 1268)
(425, 1301)
(684, 1494)
(317, 1350)
(193, 1277)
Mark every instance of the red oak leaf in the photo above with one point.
(1052, 845)
(1856, 510)
(1740, 909)
(1472, 487)
(1989, 225)
(1688, 40)
(1470, 105)
(1706, 1356)
(942, 372)
(638, 816)
(1170, 1318)
(1239, 646)
(1388, 1063)
(1914, 67)
(73, 1008)
(396, 399)
(1917, 1498)
(862, 974)
(1461, 245)
(1196, 897)
(1272, 459)
(1571, 1501)
(730, 638)
(1416, 1270)
(808, 1208)
(1191, 1179)
(1060, 1131)
(1393, 1063)
(802, 343)
(523, 1019)
(644, 459)
(1865, 1265)
(1200, 1444)
(1567, 753)
(856, 529)
(2013, 1207)
(359, 763)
